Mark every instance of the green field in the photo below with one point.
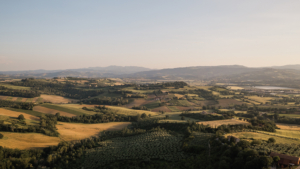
(39, 100)
(29, 100)
(130, 112)
(291, 115)
(14, 87)
(173, 109)
(153, 104)
(19, 99)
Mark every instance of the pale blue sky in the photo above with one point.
(64, 34)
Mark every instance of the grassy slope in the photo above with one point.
(31, 112)
(14, 87)
(263, 136)
(60, 108)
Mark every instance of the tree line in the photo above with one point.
(19, 93)
(66, 89)
(46, 126)
(17, 105)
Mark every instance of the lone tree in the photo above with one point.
(1, 136)
(21, 117)
(182, 118)
(271, 140)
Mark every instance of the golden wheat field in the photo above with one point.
(51, 111)
(217, 123)
(130, 112)
(15, 114)
(288, 126)
(79, 131)
(57, 99)
(27, 140)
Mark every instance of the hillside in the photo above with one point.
(199, 72)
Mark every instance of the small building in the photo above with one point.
(236, 140)
(286, 159)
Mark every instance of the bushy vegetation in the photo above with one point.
(108, 101)
(202, 117)
(19, 93)
(55, 88)
(156, 86)
(17, 105)
(46, 126)
(102, 116)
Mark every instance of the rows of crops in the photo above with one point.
(266, 148)
(154, 145)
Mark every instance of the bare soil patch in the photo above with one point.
(51, 111)
(162, 108)
(79, 131)
(151, 96)
(3, 97)
(206, 102)
(24, 100)
(228, 102)
(15, 114)
(57, 99)
(148, 101)
(14, 98)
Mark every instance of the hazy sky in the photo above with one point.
(63, 34)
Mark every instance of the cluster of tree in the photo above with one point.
(127, 94)
(66, 89)
(222, 90)
(224, 155)
(17, 105)
(95, 108)
(202, 117)
(139, 107)
(156, 86)
(286, 100)
(19, 93)
(108, 101)
(208, 95)
(46, 126)
(286, 120)
(104, 116)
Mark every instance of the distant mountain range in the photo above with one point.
(93, 72)
(209, 73)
